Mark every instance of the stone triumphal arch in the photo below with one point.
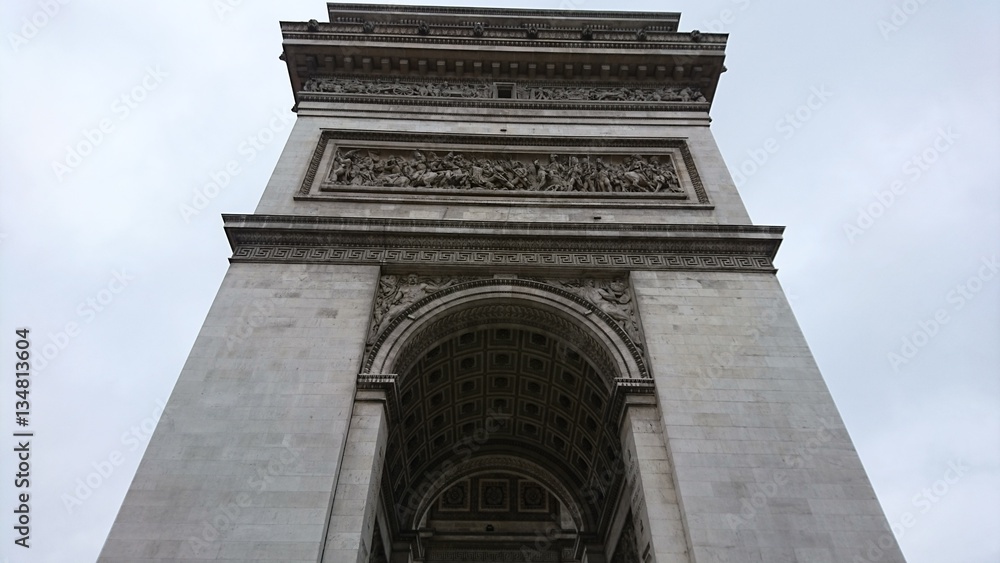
(515, 311)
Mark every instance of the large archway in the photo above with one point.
(504, 426)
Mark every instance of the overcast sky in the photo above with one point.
(883, 124)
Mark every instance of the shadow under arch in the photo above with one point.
(516, 466)
(578, 475)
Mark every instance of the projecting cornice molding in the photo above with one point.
(519, 46)
(436, 244)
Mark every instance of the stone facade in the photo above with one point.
(500, 301)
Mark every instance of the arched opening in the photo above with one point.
(504, 432)
(507, 397)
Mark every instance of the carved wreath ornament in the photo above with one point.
(459, 171)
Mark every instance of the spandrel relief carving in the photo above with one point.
(396, 293)
(611, 297)
(476, 171)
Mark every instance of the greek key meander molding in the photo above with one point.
(284, 253)
(502, 103)
(520, 246)
(417, 140)
(596, 297)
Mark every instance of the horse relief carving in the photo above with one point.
(456, 171)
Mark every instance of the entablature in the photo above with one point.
(509, 246)
(507, 52)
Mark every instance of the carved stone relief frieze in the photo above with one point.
(483, 90)
(397, 88)
(616, 94)
(483, 171)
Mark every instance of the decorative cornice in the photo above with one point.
(665, 42)
(579, 47)
(496, 103)
(709, 230)
(385, 383)
(335, 8)
(432, 243)
(425, 22)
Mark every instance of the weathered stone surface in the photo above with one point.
(763, 464)
(244, 460)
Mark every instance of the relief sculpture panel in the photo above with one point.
(585, 173)
(484, 90)
(616, 94)
(397, 88)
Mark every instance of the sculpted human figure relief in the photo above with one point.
(396, 293)
(458, 171)
(485, 90)
(397, 88)
(615, 94)
(611, 297)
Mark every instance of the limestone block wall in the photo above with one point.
(352, 519)
(765, 470)
(245, 458)
(290, 171)
(657, 518)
